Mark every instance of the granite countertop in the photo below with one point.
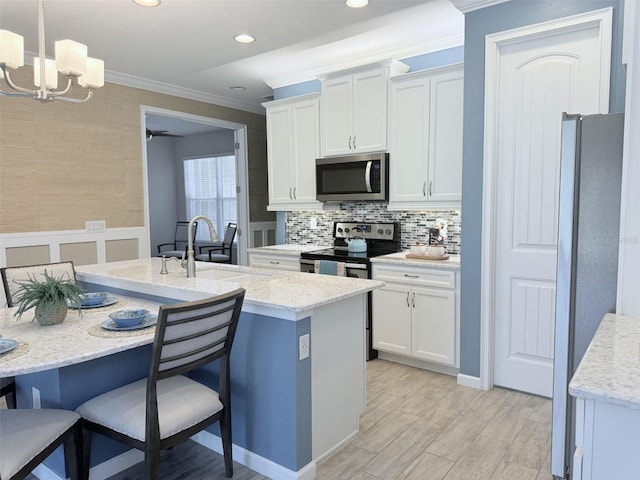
(287, 249)
(400, 258)
(610, 369)
(276, 291)
(75, 340)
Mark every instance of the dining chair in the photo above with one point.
(180, 241)
(28, 437)
(11, 276)
(224, 255)
(167, 407)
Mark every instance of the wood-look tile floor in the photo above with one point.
(418, 425)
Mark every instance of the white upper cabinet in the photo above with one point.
(293, 144)
(354, 110)
(425, 139)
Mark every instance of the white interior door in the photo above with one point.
(537, 79)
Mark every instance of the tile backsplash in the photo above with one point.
(414, 225)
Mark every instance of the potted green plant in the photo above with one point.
(50, 297)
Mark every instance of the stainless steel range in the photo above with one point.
(380, 239)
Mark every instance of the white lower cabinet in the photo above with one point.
(275, 261)
(416, 313)
(607, 441)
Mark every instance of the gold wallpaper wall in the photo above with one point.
(62, 163)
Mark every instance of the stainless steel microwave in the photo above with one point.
(353, 177)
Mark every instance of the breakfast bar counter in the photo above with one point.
(291, 404)
(78, 339)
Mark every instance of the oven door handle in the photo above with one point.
(353, 266)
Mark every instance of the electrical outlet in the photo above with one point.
(313, 223)
(95, 225)
(35, 394)
(304, 346)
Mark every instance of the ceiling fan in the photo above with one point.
(159, 133)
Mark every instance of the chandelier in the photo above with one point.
(70, 60)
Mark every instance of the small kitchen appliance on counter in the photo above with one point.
(370, 240)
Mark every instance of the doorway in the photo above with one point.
(169, 139)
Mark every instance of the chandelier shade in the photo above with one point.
(71, 61)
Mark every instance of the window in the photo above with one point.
(210, 190)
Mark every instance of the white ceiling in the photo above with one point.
(186, 47)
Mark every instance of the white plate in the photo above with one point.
(149, 321)
(7, 344)
(107, 301)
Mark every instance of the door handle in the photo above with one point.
(294, 193)
(411, 276)
(290, 197)
(408, 305)
(430, 185)
(413, 299)
(424, 188)
(354, 142)
(349, 142)
(273, 262)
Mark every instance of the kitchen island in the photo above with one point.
(288, 411)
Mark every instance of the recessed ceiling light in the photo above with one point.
(238, 88)
(147, 3)
(357, 3)
(244, 38)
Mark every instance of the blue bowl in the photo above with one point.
(129, 318)
(92, 299)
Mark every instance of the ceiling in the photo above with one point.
(186, 47)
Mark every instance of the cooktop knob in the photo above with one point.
(388, 231)
(340, 229)
(380, 231)
(346, 229)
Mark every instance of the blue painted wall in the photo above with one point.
(505, 16)
(312, 86)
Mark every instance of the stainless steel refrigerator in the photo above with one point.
(588, 237)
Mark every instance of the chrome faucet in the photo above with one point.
(191, 258)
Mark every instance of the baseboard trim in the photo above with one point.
(244, 457)
(469, 381)
(254, 461)
(418, 363)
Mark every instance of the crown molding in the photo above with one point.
(158, 87)
(466, 6)
(167, 89)
(370, 58)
